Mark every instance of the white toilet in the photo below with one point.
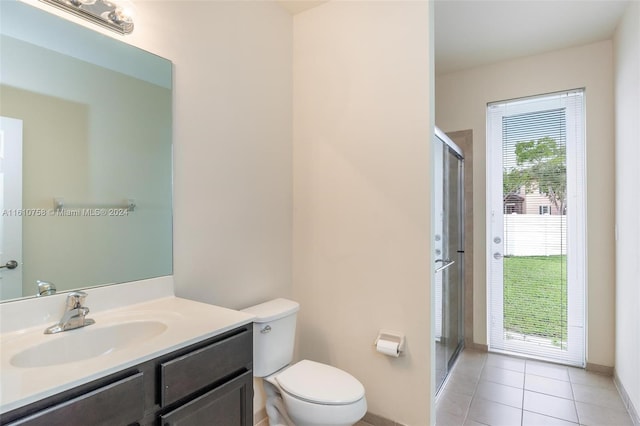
(307, 393)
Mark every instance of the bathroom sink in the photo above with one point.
(87, 342)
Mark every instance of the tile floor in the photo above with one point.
(496, 390)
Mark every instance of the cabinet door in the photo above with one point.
(228, 405)
(120, 403)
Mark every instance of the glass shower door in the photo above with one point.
(448, 256)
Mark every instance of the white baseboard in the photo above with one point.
(633, 413)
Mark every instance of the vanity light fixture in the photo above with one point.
(101, 12)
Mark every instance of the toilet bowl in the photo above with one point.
(307, 393)
(316, 394)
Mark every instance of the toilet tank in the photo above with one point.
(274, 331)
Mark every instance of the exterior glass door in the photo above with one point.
(448, 256)
(536, 217)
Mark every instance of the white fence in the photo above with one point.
(535, 235)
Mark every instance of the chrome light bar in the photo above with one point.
(101, 12)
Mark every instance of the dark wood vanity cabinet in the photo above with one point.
(207, 383)
(221, 394)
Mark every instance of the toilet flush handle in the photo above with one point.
(266, 329)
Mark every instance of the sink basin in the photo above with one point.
(87, 342)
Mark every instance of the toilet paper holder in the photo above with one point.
(391, 336)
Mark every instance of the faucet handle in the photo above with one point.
(76, 299)
(45, 288)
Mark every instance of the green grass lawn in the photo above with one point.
(535, 296)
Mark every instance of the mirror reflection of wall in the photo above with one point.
(96, 132)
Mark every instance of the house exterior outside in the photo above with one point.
(532, 202)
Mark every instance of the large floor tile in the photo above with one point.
(548, 386)
(505, 362)
(596, 415)
(553, 406)
(496, 392)
(471, 422)
(471, 370)
(584, 377)
(535, 419)
(453, 403)
(494, 414)
(461, 384)
(472, 357)
(604, 396)
(545, 369)
(502, 376)
(444, 418)
(472, 365)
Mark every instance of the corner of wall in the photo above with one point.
(627, 245)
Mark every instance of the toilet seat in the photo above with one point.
(320, 384)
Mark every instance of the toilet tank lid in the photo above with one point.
(272, 310)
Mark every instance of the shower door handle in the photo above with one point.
(445, 264)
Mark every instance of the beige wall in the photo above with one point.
(361, 223)
(461, 100)
(232, 144)
(627, 90)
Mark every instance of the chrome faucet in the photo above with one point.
(74, 315)
(45, 288)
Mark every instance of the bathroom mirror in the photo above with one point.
(85, 156)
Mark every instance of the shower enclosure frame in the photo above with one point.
(449, 263)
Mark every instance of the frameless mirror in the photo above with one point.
(85, 156)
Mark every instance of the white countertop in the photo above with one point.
(187, 322)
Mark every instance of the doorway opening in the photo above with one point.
(10, 208)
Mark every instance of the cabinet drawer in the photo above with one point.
(196, 370)
(227, 405)
(119, 403)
